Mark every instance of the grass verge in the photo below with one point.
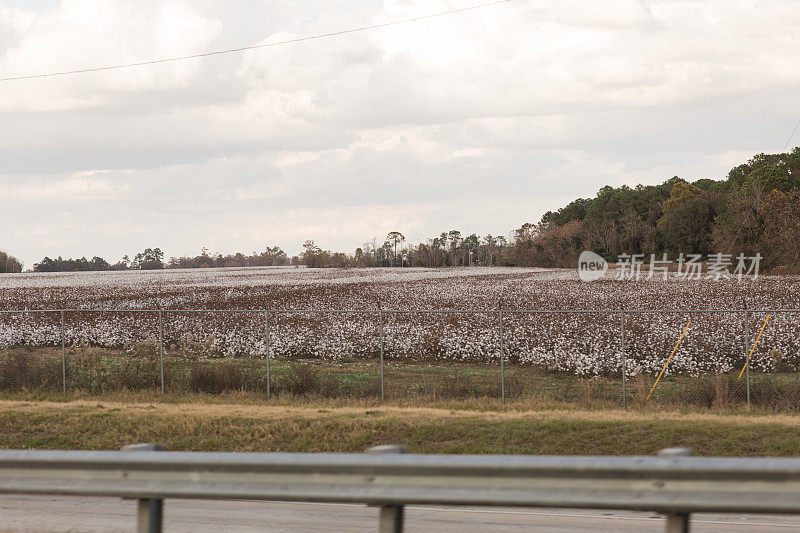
(84, 424)
(99, 371)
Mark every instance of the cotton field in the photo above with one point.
(587, 343)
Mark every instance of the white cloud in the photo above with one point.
(88, 33)
(79, 187)
(481, 120)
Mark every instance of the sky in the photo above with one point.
(479, 121)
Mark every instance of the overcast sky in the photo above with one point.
(479, 121)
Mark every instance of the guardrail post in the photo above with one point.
(149, 511)
(269, 380)
(622, 348)
(380, 325)
(63, 354)
(676, 522)
(161, 346)
(502, 355)
(390, 518)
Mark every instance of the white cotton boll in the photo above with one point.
(584, 344)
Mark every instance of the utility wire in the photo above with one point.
(785, 146)
(256, 46)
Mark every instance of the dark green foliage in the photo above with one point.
(305, 380)
(27, 371)
(216, 377)
(73, 265)
(151, 259)
(754, 210)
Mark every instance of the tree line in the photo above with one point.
(9, 264)
(755, 209)
(272, 256)
(450, 248)
(153, 259)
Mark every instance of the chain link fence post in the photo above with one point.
(747, 352)
(161, 346)
(63, 354)
(624, 365)
(502, 354)
(269, 377)
(380, 325)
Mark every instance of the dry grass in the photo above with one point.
(111, 423)
(171, 406)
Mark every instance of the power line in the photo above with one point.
(785, 146)
(256, 46)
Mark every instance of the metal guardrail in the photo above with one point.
(672, 483)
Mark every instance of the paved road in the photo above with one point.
(100, 515)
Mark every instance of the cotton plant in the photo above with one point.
(586, 344)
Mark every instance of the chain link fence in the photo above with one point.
(699, 358)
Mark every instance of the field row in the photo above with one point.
(586, 344)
